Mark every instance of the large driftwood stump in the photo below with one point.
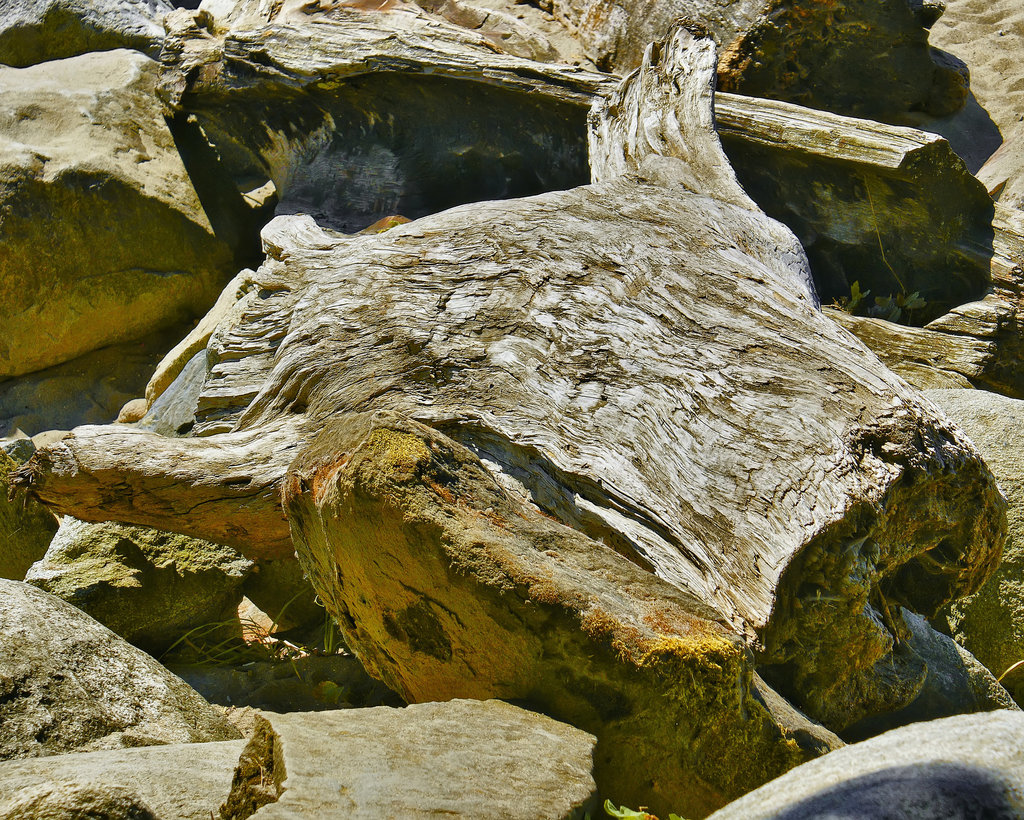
(641, 369)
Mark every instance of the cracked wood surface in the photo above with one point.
(637, 359)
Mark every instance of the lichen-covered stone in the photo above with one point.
(447, 587)
(26, 528)
(67, 684)
(148, 586)
(104, 237)
(34, 31)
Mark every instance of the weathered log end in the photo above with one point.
(222, 488)
(446, 587)
(836, 643)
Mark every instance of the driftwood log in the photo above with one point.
(638, 358)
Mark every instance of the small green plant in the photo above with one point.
(892, 308)
(633, 814)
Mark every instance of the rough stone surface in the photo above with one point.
(988, 35)
(470, 759)
(68, 684)
(956, 684)
(34, 31)
(149, 587)
(959, 767)
(76, 802)
(850, 56)
(104, 236)
(990, 623)
(1003, 173)
(26, 528)
(174, 782)
(352, 95)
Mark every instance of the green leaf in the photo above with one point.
(622, 811)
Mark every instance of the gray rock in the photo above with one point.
(105, 238)
(185, 781)
(34, 31)
(959, 767)
(148, 586)
(26, 528)
(76, 801)
(463, 758)
(68, 683)
(173, 412)
(956, 683)
(990, 623)
(86, 390)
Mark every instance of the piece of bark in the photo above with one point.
(642, 363)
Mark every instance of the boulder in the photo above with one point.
(1003, 172)
(67, 684)
(173, 782)
(990, 623)
(34, 31)
(853, 57)
(987, 35)
(459, 759)
(354, 95)
(149, 587)
(963, 766)
(104, 236)
(73, 801)
(26, 528)
(956, 684)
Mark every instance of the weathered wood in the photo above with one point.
(448, 586)
(979, 343)
(222, 488)
(633, 358)
(890, 208)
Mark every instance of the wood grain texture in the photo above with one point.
(643, 363)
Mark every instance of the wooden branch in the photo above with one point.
(223, 488)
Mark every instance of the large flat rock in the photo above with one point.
(478, 760)
(176, 782)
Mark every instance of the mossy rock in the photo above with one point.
(148, 586)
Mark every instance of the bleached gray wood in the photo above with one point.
(642, 363)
